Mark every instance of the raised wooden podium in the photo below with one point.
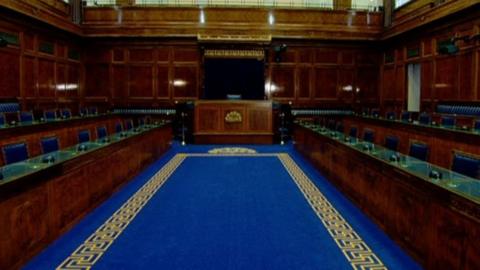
(233, 121)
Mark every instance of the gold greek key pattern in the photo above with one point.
(87, 254)
(355, 250)
(257, 54)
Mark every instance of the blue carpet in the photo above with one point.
(226, 213)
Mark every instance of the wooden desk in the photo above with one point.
(438, 227)
(238, 121)
(441, 142)
(38, 208)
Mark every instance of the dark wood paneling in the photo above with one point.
(140, 81)
(120, 81)
(141, 55)
(283, 81)
(466, 69)
(46, 78)
(97, 83)
(304, 80)
(445, 80)
(389, 82)
(163, 82)
(10, 73)
(187, 76)
(426, 80)
(325, 83)
(367, 82)
(185, 55)
(29, 77)
(326, 56)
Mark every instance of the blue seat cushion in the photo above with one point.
(129, 124)
(424, 119)
(391, 142)
(353, 132)
(26, 117)
(118, 127)
(2, 119)
(15, 153)
(368, 135)
(419, 151)
(83, 136)
(66, 113)
(50, 115)
(466, 165)
(49, 144)
(448, 121)
(101, 132)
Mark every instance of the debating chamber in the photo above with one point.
(240, 134)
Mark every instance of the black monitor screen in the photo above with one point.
(234, 78)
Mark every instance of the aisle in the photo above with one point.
(236, 208)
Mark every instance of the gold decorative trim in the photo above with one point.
(233, 117)
(213, 53)
(355, 250)
(88, 253)
(232, 151)
(235, 38)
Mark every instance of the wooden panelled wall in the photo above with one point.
(144, 74)
(141, 75)
(42, 70)
(313, 75)
(444, 78)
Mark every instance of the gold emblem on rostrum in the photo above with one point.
(233, 117)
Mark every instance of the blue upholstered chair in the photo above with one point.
(92, 110)
(466, 165)
(419, 151)
(390, 115)
(129, 124)
(118, 127)
(368, 135)
(391, 142)
(15, 152)
(83, 111)
(49, 144)
(83, 136)
(101, 132)
(448, 121)
(2, 120)
(331, 124)
(141, 121)
(339, 127)
(375, 113)
(406, 116)
(50, 115)
(66, 113)
(476, 125)
(25, 117)
(353, 132)
(424, 119)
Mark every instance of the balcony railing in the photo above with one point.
(371, 5)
